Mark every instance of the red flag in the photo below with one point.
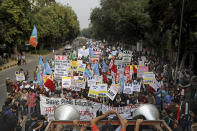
(104, 77)
(114, 68)
(134, 69)
(49, 84)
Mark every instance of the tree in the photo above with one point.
(121, 20)
(14, 20)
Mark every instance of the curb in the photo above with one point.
(4, 67)
(7, 66)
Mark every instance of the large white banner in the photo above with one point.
(86, 109)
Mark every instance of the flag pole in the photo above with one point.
(36, 50)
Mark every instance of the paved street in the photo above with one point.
(11, 74)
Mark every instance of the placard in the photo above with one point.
(81, 84)
(141, 70)
(126, 60)
(61, 66)
(19, 76)
(81, 68)
(148, 78)
(66, 82)
(127, 53)
(128, 88)
(136, 86)
(93, 91)
(102, 89)
(74, 65)
(113, 90)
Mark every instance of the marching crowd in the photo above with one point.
(171, 96)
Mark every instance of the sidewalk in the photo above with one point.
(29, 58)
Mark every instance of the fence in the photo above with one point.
(52, 124)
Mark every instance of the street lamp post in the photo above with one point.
(179, 42)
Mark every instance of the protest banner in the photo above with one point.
(86, 109)
(83, 52)
(127, 73)
(90, 81)
(93, 91)
(128, 88)
(81, 84)
(127, 53)
(98, 79)
(102, 89)
(126, 60)
(113, 90)
(117, 77)
(156, 84)
(61, 66)
(124, 112)
(66, 82)
(80, 52)
(61, 58)
(143, 58)
(148, 78)
(136, 86)
(141, 63)
(74, 85)
(118, 62)
(20, 76)
(141, 70)
(74, 65)
(81, 68)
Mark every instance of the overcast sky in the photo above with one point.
(82, 8)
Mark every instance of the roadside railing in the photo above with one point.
(160, 123)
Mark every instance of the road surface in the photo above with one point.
(11, 74)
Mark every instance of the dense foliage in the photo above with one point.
(155, 22)
(56, 23)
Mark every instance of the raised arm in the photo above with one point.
(122, 122)
(138, 122)
(95, 120)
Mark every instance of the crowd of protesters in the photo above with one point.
(171, 98)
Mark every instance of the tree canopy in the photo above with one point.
(55, 23)
(155, 22)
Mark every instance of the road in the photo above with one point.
(11, 74)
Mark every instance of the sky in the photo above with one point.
(82, 8)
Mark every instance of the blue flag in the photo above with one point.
(122, 83)
(44, 72)
(91, 52)
(48, 68)
(96, 69)
(87, 73)
(104, 69)
(39, 79)
(40, 64)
